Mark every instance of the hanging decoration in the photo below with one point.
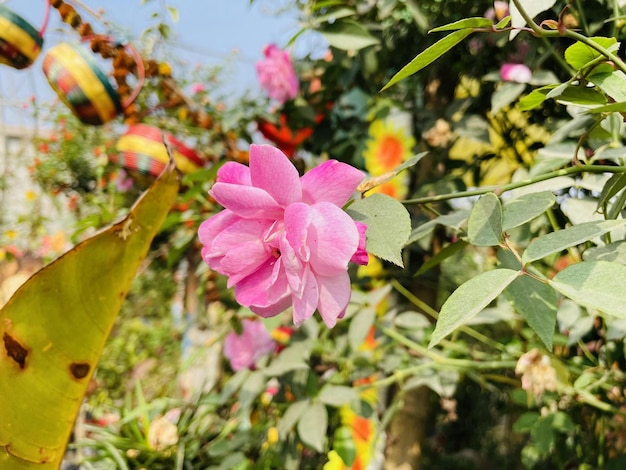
(142, 149)
(20, 42)
(83, 87)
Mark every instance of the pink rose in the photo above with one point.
(283, 240)
(277, 75)
(515, 73)
(243, 351)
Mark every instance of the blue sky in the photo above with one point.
(207, 32)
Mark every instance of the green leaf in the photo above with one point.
(453, 220)
(251, 389)
(469, 300)
(360, 327)
(449, 250)
(525, 422)
(579, 55)
(558, 241)
(594, 284)
(581, 96)
(348, 35)
(411, 162)
(388, 225)
(54, 329)
(173, 12)
(290, 358)
(612, 252)
(312, 426)
(535, 97)
(608, 108)
(334, 14)
(536, 302)
(291, 417)
(428, 56)
(344, 445)
(411, 321)
(614, 185)
(484, 227)
(612, 84)
(525, 208)
(337, 395)
(477, 22)
(505, 95)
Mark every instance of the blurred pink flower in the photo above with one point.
(243, 351)
(283, 240)
(197, 88)
(277, 75)
(123, 182)
(515, 73)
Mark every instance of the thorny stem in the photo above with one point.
(574, 170)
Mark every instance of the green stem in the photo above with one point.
(441, 360)
(619, 63)
(574, 170)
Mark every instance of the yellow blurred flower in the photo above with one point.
(10, 234)
(387, 148)
(334, 462)
(30, 195)
(272, 435)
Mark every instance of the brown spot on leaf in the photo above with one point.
(79, 369)
(15, 350)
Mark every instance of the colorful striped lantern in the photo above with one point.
(20, 43)
(82, 86)
(141, 149)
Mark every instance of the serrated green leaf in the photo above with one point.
(594, 284)
(484, 227)
(579, 55)
(428, 56)
(469, 300)
(525, 208)
(536, 302)
(477, 22)
(337, 395)
(388, 225)
(558, 241)
(348, 35)
(55, 326)
(291, 417)
(312, 426)
(615, 252)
